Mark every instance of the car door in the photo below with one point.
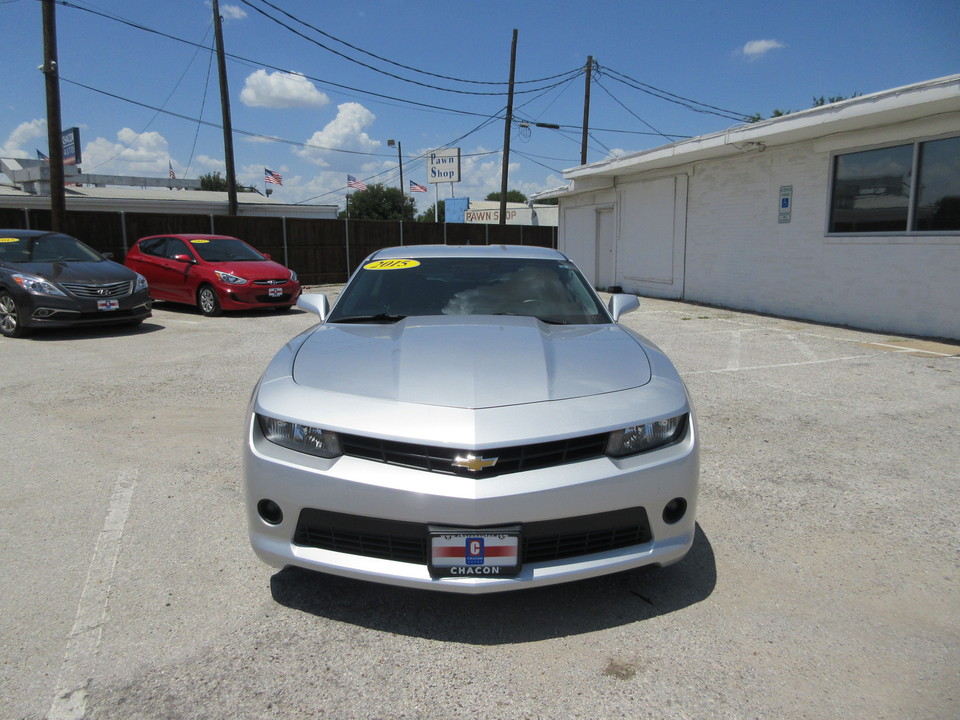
(151, 262)
(179, 276)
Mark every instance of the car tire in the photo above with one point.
(10, 325)
(208, 302)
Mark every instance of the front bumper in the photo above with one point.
(363, 519)
(49, 311)
(251, 296)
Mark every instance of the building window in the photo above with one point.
(874, 191)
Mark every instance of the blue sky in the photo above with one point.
(137, 79)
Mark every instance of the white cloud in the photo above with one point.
(24, 134)
(756, 49)
(345, 132)
(232, 12)
(281, 90)
(133, 154)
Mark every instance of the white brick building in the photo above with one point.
(813, 215)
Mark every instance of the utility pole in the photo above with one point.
(508, 127)
(58, 202)
(225, 108)
(586, 111)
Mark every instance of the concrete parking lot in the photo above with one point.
(823, 582)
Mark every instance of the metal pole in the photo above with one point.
(58, 201)
(508, 122)
(225, 109)
(586, 111)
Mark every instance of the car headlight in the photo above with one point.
(646, 436)
(37, 285)
(293, 276)
(141, 283)
(230, 279)
(299, 437)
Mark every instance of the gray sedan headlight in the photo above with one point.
(645, 437)
(36, 285)
(141, 283)
(302, 438)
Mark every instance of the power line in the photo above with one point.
(566, 74)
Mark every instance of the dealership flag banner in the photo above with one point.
(355, 184)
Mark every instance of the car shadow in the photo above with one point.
(503, 618)
(182, 309)
(92, 332)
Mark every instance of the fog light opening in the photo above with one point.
(270, 512)
(674, 511)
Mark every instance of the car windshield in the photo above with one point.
(46, 248)
(224, 250)
(389, 290)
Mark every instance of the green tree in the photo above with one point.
(380, 203)
(427, 215)
(216, 182)
(512, 196)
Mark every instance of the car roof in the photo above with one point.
(23, 234)
(192, 236)
(529, 252)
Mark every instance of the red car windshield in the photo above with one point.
(224, 250)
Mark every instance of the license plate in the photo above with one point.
(108, 304)
(458, 552)
(275, 292)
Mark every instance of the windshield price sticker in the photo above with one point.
(199, 242)
(9, 240)
(398, 264)
(473, 553)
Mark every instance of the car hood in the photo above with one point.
(471, 362)
(93, 273)
(251, 269)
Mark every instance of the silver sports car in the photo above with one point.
(470, 419)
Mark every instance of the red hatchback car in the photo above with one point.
(213, 272)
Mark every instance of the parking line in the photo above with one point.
(80, 658)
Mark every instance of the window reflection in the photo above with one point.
(938, 201)
(871, 191)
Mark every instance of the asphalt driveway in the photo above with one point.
(823, 582)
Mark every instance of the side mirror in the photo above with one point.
(183, 259)
(316, 303)
(621, 304)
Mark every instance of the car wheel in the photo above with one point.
(10, 317)
(208, 302)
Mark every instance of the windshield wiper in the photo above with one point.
(378, 318)
(544, 319)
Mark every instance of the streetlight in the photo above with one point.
(391, 143)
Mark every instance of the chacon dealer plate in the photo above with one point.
(473, 552)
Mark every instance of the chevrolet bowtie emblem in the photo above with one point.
(474, 463)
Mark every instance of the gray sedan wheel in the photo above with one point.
(208, 301)
(10, 317)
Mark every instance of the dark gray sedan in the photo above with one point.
(48, 279)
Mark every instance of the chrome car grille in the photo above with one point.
(271, 282)
(509, 459)
(108, 290)
(541, 541)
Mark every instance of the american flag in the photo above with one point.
(41, 156)
(417, 187)
(355, 184)
(173, 175)
(272, 177)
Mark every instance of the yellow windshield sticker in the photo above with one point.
(9, 240)
(398, 264)
(199, 242)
